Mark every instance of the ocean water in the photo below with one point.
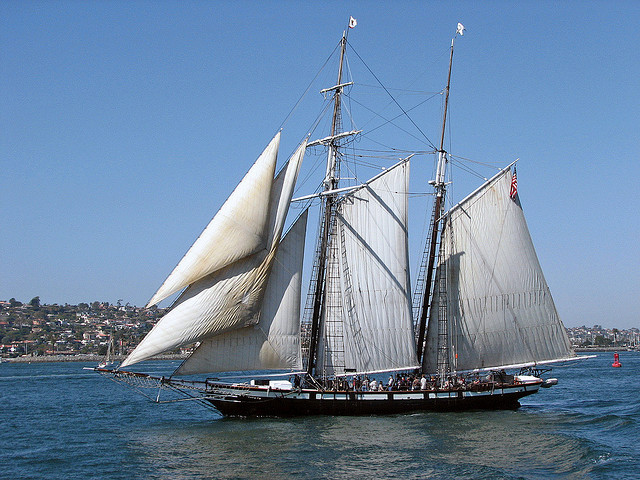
(62, 422)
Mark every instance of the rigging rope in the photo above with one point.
(391, 121)
(393, 98)
(308, 88)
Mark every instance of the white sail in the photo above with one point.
(499, 308)
(230, 297)
(367, 321)
(274, 342)
(282, 192)
(237, 230)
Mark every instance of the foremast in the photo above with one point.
(434, 248)
(330, 183)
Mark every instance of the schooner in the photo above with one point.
(481, 306)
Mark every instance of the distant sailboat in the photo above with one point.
(108, 360)
(482, 305)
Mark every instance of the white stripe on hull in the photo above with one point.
(222, 392)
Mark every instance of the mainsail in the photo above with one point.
(367, 324)
(498, 305)
(229, 265)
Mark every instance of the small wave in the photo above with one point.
(613, 424)
(41, 377)
(602, 459)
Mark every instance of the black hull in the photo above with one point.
(247, 406)
(249, 400)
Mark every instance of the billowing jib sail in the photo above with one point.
(229, 266)
(274, 342)
(237, 230)
(499, 308)
(367, 324)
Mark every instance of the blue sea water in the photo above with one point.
(62, 422)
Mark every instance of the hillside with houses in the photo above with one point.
(36, 330)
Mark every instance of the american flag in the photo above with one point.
(514, 185)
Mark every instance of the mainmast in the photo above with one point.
(438, 211)
(328, 208)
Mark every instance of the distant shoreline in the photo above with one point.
(81, 358)
(601, 349)
(179, 356)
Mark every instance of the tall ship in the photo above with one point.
(477, 331)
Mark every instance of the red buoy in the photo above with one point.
(616, 360)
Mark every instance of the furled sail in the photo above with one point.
(367, 318)
(237, 230)
(230, 297)
(274, 342)
(499, 307)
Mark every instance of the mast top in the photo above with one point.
(442, 158)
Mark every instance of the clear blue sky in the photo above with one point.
(124, 125)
